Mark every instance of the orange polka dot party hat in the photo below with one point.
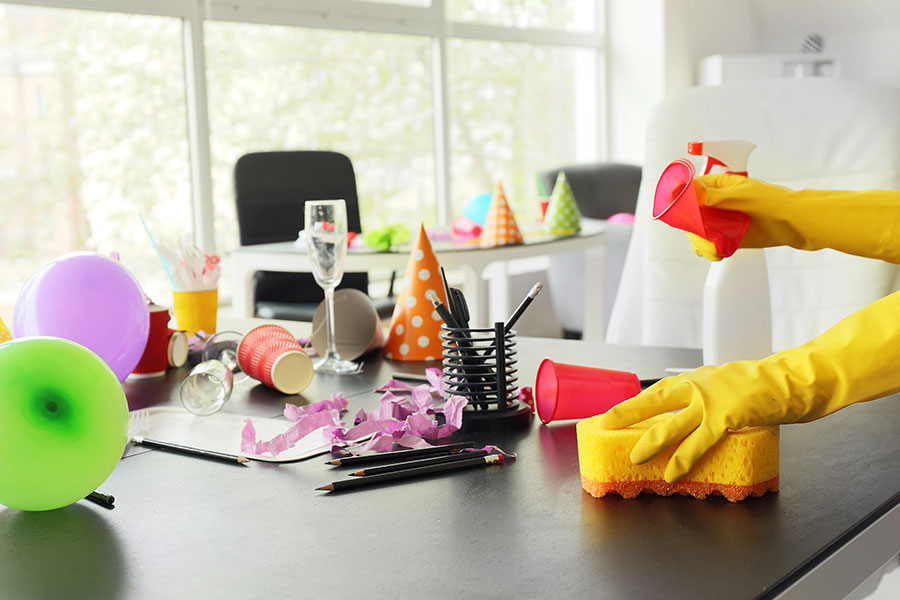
(500, 227)
(4, 333)
(415, 326)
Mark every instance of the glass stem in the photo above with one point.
(329, 323)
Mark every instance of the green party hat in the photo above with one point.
(562, 216)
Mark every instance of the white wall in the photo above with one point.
(655, 46)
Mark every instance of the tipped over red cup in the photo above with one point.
(565, 391)
(272, 355)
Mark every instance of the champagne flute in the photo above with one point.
(326, 240)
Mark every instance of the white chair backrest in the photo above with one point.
(810, 133)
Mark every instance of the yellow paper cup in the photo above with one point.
(196, 310)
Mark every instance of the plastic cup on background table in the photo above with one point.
(565, 391)
(196, 310)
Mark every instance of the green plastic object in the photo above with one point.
(63, 422)
(385, 238)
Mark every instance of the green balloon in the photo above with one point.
(63, 422)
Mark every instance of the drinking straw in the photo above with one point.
(158, 253)
(541, 189)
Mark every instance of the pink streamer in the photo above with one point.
(408, 422)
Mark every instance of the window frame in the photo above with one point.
(349, 15)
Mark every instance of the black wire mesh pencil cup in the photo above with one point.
(481, 365)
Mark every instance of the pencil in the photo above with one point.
(523, 305)
(422, 462)
(396, 455)
(104, 500)
(190, 451)
(457, 465)
(441, 309)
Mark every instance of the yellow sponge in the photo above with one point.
(744, 463)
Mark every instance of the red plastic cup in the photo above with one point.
(576, 392)
(675, 203)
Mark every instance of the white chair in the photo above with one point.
(810, 133)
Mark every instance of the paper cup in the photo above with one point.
(257, 336)
(288, 371)
(576, 392)
(357, 326)
(196, 310)
(154, 361)
(259, 353)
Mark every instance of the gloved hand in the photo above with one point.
(862, 223)
(856, 360)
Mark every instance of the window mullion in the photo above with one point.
(198, 128)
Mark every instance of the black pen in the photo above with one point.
(457, 465)
(521, 308)
(104, 500)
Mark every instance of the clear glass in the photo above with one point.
(207, 388)
(572, 15)
(93, 112)
(367, 95)
(325, 222)
(223, 347)
(515, 110)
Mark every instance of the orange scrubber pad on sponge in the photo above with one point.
(744, 463)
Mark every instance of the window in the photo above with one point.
(516, 109)
(433, 100)
(94, 133)
(367, 95)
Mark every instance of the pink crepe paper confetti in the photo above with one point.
(408, 422)
(306, 420)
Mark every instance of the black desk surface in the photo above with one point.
(189, 528)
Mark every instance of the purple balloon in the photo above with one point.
(91, 300)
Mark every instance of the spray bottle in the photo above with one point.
(737, 313)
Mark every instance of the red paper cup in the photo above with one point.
(288, 371)
(154, 361)
(256, 336)
(575, 392)
(259, 353)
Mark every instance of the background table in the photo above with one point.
(472, 260)
(184, 527)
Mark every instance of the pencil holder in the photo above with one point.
(481, 366)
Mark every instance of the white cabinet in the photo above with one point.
(728, 68)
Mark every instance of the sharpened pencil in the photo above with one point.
(396, 455)
(523, 305)
(422, 462)
(191, 451)
(457, 465)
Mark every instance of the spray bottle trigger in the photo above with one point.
(709, 162)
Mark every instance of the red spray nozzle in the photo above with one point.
(675, 203)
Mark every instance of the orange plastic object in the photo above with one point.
(675, 203)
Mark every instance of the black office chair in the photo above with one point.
(601, 190)
(270, 189)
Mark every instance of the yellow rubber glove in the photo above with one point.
(862, 223)
(856, 360)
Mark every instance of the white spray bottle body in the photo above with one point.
(737, 309)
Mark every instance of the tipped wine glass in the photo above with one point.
(326, 240)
